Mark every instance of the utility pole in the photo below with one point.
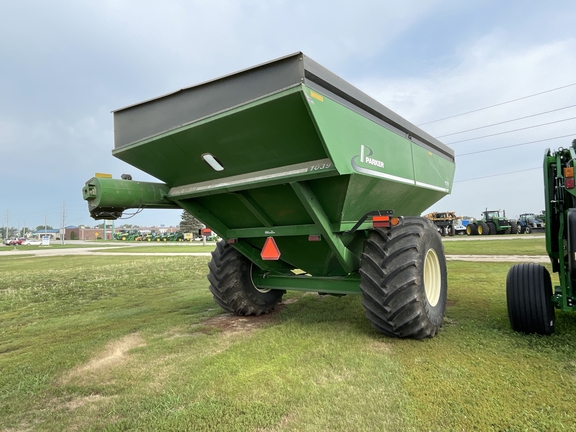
(63, 234)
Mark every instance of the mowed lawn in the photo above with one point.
(136, 343)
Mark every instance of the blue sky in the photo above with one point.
(65, 65)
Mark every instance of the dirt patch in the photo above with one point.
(285, 421)
(231, 323)
(83, 401)
(115, 354)
(379, 346)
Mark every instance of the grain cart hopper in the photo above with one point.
(529, 294)
(311, 184)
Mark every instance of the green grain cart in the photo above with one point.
(311, 184)
(529, 294)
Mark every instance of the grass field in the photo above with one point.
(171, 248)
(503, 246)
(51, 246)
(136, 343)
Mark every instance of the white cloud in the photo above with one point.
(69, 63)
(491, 71)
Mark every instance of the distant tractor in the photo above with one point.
(529, 223)
(492, 223)
(445, 222)
(127, 235)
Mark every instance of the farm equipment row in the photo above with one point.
(134, 235)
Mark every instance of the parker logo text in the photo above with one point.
(365, 153)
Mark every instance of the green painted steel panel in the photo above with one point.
(301, 160)
(356, 143)
(389, 172)
(272, 132)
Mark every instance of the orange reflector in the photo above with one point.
(568, 172)
(395, 221)
(270, 251)
(381, 221)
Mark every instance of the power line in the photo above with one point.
(515, 145)
(498, 104)
(507, 121)
(510, 131)
(497, 175)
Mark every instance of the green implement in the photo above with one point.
(311, 184)
(530, 294)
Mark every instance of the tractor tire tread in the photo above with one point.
(231, 284)
(529, 299)
(392, 283)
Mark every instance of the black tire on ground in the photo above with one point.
(452, 231)
(471, 229)
(529, 299)
(483, 229)
(231, 284)
(492, 227)
(403, 279)
(513, 227)
(528, 230)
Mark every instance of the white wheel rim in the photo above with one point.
(263, 291)
(432, 277)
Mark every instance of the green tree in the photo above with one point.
(41, 227)
(10, 232)
(189, 223)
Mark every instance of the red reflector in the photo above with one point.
(270, 251)
(381, 221)
(232, 240)
(314, 238)
(569, 183)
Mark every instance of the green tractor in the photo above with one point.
(176, 236)
(492, 223)
(530, 296)
(127, 235)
